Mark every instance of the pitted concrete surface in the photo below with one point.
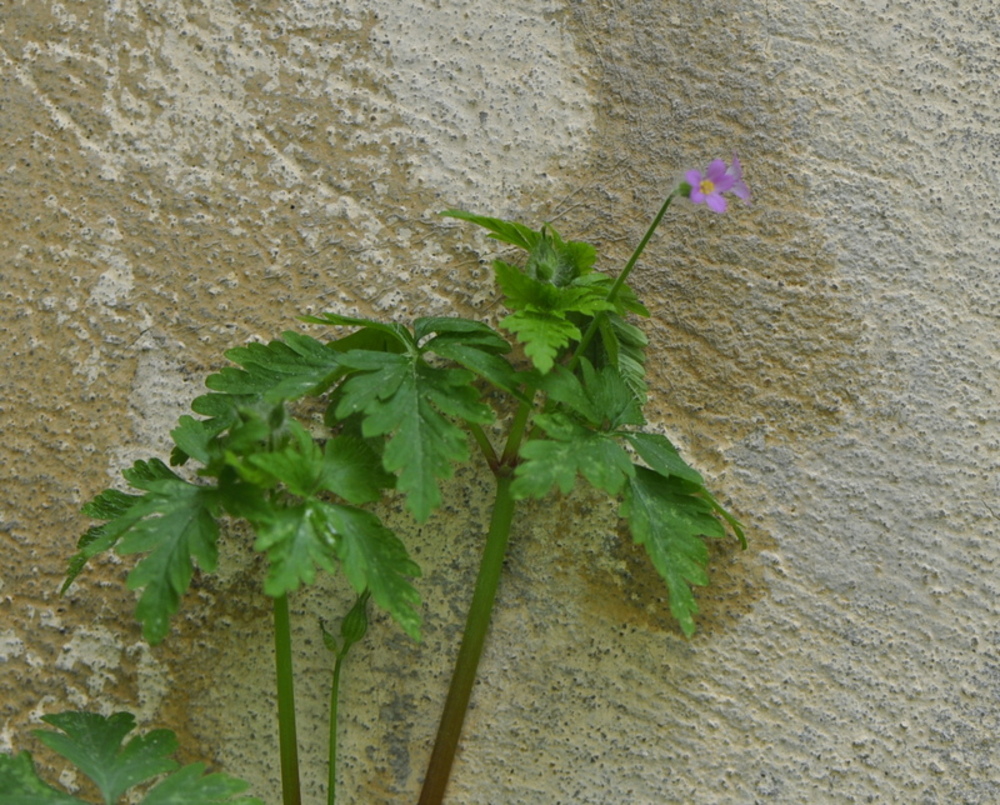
(177, 178)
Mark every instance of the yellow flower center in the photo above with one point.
(707, 187)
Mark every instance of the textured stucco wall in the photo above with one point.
(178, 177)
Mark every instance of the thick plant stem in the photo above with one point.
(476, 624)
(287, 740)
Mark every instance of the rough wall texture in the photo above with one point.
(177, 177)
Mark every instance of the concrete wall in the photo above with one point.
(177, 177)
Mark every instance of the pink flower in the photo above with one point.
(708, 188)
(739, 187)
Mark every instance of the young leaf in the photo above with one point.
(550, 258)
(542, 311)
(93, 743)
(669, 519)
(21, 785)
(189, 787)
(405, 398)
(570, 450)
(522, 292)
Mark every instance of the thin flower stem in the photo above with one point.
(588, 336)
(331, 787)
(287, 740)
(476, 624)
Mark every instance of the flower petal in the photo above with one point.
(715, 202)
(739, 187)
(716, 170)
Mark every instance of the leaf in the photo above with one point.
(504, 231)
(108, 505)
(174, 522)
(602, 397)
(189, 787)
(346, 465)
(403, 397)
(395, 332)
(21, 785)
(571, 450)
(543, 335)
(465, 331)
(542, 311)
(93, 743)
(624, 348)
(375, 558)
(488, 366)
(298, 538)
(625, 300)
(550, 258)
(668, 519)
(523, 292)
(302, 537)
(661, 456)
(286, 369)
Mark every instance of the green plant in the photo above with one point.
(94, 745)
(399, 404)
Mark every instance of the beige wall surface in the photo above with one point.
(180, 176)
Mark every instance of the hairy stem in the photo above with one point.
(476, 624)
(287, 740)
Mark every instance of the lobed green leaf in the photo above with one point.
(93, 743)
(668, 518)
(191, 786)
(286, 369)
(174, 523)
(601, 397)
(543, 335)
(315, 534)
(570, 451)
(406, 399)
(108, 505)
(504, 231)
(21, 785)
